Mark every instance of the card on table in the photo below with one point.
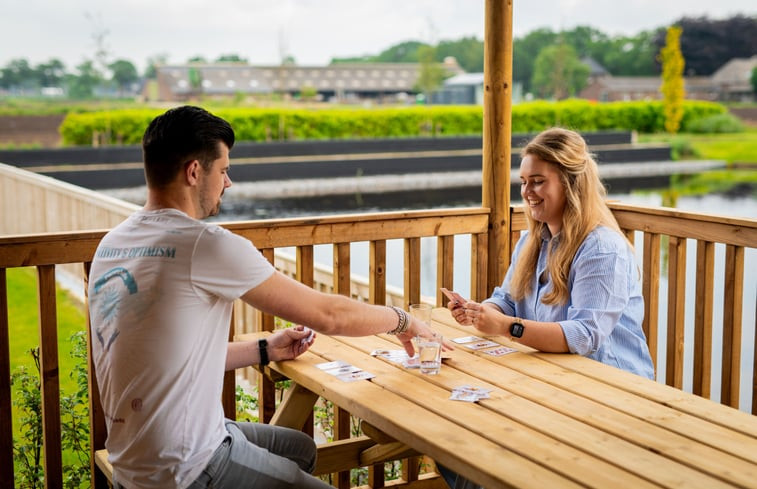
(469, 394)
(346, 369)
(499, 351)
(480, 345)
(330, 365)
(361, 375)
(467, 339)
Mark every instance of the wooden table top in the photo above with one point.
(552, 420)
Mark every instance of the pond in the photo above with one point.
(744, 205)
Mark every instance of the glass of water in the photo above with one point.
(430, 353)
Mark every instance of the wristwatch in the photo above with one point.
(516, 328)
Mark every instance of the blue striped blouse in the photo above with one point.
(602, 318)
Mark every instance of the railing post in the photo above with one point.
(49, 377)
(497, 130)
(266, 387)
(6, 425)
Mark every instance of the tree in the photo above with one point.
(525, 51)
(431, 73)
(51, 74)
(230, 58)
(83, 85)
(753, 80)
(708, 44)
(18, 74)
(672, 87)
(558, 73)
(151, 71)
(124, 74)
(468, 51)
(404, 52)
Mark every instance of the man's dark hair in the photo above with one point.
(179, 136)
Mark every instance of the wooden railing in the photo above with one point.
(655, 232)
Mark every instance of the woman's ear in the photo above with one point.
(192, 171)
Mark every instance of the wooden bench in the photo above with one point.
(101, 460)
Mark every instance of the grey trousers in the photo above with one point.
(261, 456)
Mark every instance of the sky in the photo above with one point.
(312, 31)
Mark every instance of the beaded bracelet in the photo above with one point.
(403, 321)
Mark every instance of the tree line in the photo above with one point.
(546, 62)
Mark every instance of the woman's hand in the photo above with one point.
(484, 317)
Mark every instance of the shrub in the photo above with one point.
(718, 123)
(278, 124)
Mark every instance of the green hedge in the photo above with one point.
(253, 124)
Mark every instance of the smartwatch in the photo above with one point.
(516, 328)
(263, 348)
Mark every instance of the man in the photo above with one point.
(161, 290)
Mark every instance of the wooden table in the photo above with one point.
(553, 420)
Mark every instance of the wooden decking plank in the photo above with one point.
(660, 393)
(678, 447)
(414, 426)
(596, 458)
(711, 434)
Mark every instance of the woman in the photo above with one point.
(573, 285)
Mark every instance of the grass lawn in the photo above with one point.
(738, 147)
(24, 322)
(24, 334)
(739, 150)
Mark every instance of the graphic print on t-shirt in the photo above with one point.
(107, 300)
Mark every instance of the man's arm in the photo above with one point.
(329, 314)
(284, 344)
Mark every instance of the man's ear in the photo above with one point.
(192, 171)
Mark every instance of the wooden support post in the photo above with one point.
(497, 130)
(296, 408)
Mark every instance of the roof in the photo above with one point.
(595, 69)
(650, 83)
(735, 71)
(465, 79)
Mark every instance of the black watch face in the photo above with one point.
(516, 330)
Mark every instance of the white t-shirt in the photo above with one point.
(160, 296)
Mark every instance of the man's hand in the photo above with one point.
(419, 328)
(287, 344)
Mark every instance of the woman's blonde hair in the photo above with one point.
(585, 209)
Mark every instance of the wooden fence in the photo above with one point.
(657, 232)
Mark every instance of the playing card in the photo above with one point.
(309, 338)
(467, 339)
(453, 296)
(498, 352)
(361, 375)
(463, 396)
(345, 369)
(330, 365)
(469, 394)
(480, 345)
